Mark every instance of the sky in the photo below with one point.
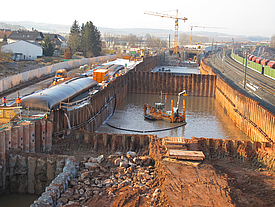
(239, 17)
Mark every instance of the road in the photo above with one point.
(36, 86)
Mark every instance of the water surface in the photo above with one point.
(17, 200)
(205, 118)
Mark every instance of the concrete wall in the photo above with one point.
(248, 115)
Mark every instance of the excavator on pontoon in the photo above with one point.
(158, 112)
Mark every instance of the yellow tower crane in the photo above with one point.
(177, 18)
(202, 27)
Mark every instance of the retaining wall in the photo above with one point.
(249, 116)
(32, 172)
(148, 64)
(93, 114)
(168, 83)
(254, 154)
(80, 140)
(33, 137)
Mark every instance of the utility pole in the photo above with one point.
(169, 41)
(223, 59)
(215, 52)
(245, 69)
(232, 45)
(212, 49)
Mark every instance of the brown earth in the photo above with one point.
(214, 182)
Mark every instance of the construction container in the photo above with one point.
(101, 75)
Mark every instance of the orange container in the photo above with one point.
(101, 75)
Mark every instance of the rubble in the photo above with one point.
(104, 177)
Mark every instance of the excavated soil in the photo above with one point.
(214, 182)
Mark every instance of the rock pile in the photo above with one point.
(107, 176)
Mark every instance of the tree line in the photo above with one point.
(85, 38)
(113, 40)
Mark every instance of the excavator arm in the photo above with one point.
(147, 106)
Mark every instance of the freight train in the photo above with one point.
(261, 61)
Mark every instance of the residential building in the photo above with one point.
(23, 50)
(30, 36)
(55, 40)
(3, 32)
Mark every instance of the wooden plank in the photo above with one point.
(185, 154)
(173, 140)
(175, 146)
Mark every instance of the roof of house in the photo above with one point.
(36, 44)
(55, 38)
(61, 38)
(2, 32)
(51, 36)
(26, 35)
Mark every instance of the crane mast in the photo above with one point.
(177, 18)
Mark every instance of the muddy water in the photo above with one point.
(17, 200)
(204, 116)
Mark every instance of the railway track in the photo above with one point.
(255, 78)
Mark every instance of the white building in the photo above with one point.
(23, 50)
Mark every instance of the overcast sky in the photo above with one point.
(240, 17)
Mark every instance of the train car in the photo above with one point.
(264, 61)
(271, 64)
(50, 98)
(254, 59)
(250, 57)
(258, 60)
